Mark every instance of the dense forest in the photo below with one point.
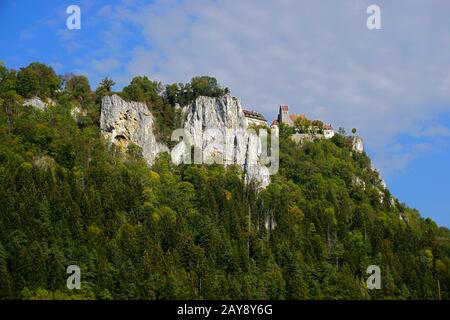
(192, 231)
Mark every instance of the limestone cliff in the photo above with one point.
(218, 127)
(357, 144)
(215, 126)
(125, 122)
(37, 103)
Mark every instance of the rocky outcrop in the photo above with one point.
(306, 137)
(357, 181)
(218, 128)
(125, 122)
(215, 128)
(77, 114)
(44, 162)
(35, 102)
(357, 144)
(213, 123)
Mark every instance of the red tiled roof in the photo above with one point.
(275, 122)
(327, 127)
(296, 116)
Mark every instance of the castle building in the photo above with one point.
(289, 119)
(286, 118)
(275, 128)
(255, 118)
(328, 131)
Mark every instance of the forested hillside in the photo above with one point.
(192, 231)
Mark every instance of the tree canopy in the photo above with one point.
(37, 79)
(197, 231)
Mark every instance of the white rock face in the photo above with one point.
(123, 122)
(253, 168)
(359, 182)
(77, 112)
(35, 102)
(216, 127)
(219, 120)
(358, 144)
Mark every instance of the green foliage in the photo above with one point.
(197, 231)
(167, 118)
(37, 79)
(106, 85)
(104, 88)
(183, 94)
(78, 88)
(206, 86)
(7, 80)
(304, 125)
(141, 89)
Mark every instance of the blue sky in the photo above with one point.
(318, 57)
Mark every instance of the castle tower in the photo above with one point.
(283, 115)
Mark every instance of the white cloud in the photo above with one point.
(105, 66)
(26, 35)
(70, 40)
(435, 131)
(316, 56)
(56, 66)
